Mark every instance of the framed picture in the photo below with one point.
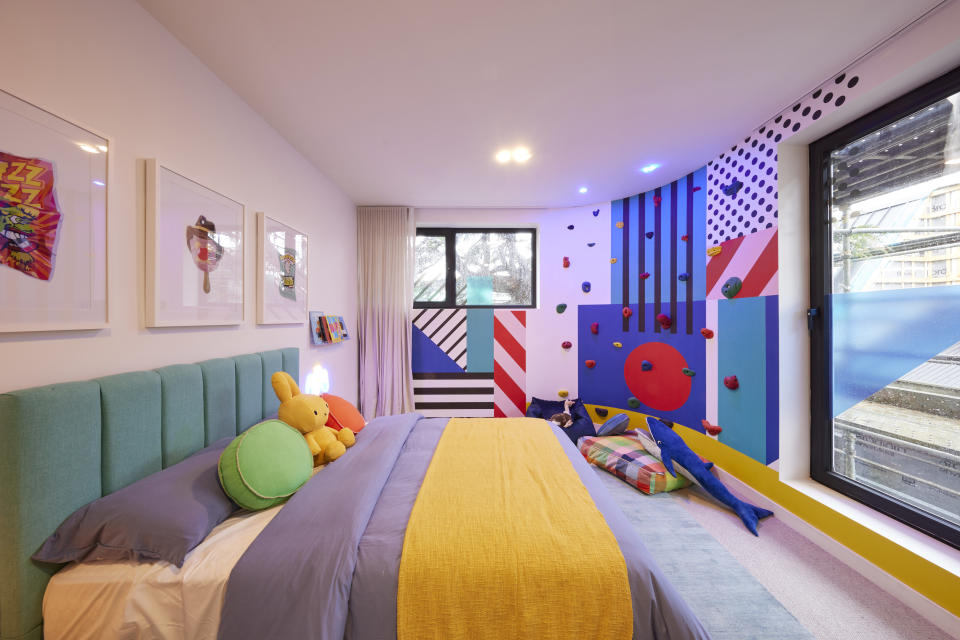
(194, 235)
(316, 328)
(281, 272)
(53, 221)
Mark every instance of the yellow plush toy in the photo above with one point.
(308, 414)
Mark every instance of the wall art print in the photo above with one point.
(53, 202)
(281, 272)
(194, 252)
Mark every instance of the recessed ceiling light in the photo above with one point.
(503, 156)
(583, 189)
(650, 167)
(521, 154)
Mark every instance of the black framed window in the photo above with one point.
(479, 267)
(885, 309)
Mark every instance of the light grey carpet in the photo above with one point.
(729, 601)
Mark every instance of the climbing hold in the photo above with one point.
(619, 225)
(590, 364)
(644, 275)
(657, 200)
(731, 287)
(566, 344)
(707, 333)
(570, 226)
(683, 277)
(595, 328)
(633, 402)
(561, 307)
(711, 429)
(563, 393)
(689, 372)
(601, 412)
(732, 188)
(591, 244)
(713, 251)
(618, 344)
(696, 189)
(684, 237)
(646, 365)
(627, 312)
(664, 320)
(596, 212)
(586, 287)
(649, 234)
(613, 261)
(731, 382)
(566, 262)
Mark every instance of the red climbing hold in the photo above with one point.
(566, 344)
(566, 262)
(696, 189)
(711, 429)
(627, 312)
(684, 237)
(664, 320)
(707, 333)
(644, 275)
(595, 328)
(657, 200)
(590, 363)
(731, 382)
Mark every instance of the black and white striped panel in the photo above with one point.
(446, 328)
(454, 395)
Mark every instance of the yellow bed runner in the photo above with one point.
(504, 541)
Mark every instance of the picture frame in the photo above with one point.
(316, 331)
(194, 252)
(282, 272)
(53, 221)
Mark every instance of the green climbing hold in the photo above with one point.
(633, 402)
(689, 372)
(561, 308)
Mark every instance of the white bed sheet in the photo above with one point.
(151, 600)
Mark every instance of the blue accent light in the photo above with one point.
(583, 189)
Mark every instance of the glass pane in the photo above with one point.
(895, 305)
(495, 268)
(430, 272)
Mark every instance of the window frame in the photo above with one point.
(821, 347)
(450, 236)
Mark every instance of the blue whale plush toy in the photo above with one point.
(674, 450)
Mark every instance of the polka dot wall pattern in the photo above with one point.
(742, 181)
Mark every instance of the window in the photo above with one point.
(475, 268)
(885, 335)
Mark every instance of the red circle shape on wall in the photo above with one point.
(664, 387)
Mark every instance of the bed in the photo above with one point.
(114, 431)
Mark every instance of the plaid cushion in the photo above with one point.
(625, 457)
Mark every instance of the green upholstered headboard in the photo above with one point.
(64, 445)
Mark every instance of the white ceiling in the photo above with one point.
(406, 102)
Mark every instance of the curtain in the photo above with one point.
(385, 241)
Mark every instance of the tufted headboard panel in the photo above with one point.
(64, 445)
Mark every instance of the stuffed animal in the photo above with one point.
(308, 414)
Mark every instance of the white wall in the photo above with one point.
(549, 367)
(107, 65)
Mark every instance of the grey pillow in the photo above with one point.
(161, 517)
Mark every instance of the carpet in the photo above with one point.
(729, 601)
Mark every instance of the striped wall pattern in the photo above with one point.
(752, 258)
(669, 213)
(509, 363)
(446, 328)
(455, 395)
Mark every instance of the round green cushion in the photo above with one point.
(265, 465)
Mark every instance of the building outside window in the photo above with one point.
(885, 287)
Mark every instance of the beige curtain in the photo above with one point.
(385, 240)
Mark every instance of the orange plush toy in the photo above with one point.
(308, 414)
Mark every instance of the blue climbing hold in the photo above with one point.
(646, 365)
(586, 287)
(683, 277)
(591, 244)
(596, 212)
(570, 226)
(649, 234)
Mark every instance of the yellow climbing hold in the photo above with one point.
(712, 251)
(613, 261)
(618, 344)
(619, 225)
(563, 393)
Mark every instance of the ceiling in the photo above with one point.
(407, 102)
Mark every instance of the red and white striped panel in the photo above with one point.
(509, 363)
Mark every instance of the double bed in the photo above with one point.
(327, 564)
